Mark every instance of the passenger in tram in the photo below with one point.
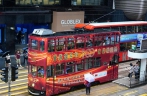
(104, 42)
(89, 43)
(41, 72)
(108, 41)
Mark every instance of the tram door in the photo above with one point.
(114, 63)
(51, 77)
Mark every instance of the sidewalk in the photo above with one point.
(130, 83)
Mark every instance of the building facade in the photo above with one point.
(25, 15)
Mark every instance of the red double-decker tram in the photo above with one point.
(58, 61)
(130, 32)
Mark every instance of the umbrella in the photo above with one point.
(89, 77)
(6, 53)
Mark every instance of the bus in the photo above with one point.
(131, 31)
(57, 62)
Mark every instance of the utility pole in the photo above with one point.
(9, 79)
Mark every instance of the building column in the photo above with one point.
(142, 70)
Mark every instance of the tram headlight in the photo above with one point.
(33, 84)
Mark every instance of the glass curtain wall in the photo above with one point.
(58, 2)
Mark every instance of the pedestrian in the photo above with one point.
(17, 57)
(7, 60)
(136, 71)
(131, 70)
(19, 37)
(25, 55)
(87, 85)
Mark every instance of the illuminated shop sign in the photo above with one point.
(132, 37)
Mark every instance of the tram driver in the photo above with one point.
(41, 72)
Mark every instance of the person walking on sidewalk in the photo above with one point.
(17, 57)
(25, 55)
(136, 71)
(87, 85)
(131, 70)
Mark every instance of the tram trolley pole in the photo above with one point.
(9, 79)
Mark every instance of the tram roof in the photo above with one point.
(92, 26)
(49, 33)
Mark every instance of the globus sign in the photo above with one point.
(65, 21)
(75, 21)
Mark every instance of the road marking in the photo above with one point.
(16, 80)
(13, 85)
(143, 94)
(129, 93)
(15, 89)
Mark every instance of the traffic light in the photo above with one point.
(14, 73)
(4, 74)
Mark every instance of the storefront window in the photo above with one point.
(88, 2)
(37, 2)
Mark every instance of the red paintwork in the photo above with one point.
(123, 56)
(64, 82)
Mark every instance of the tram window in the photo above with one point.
(89, 42)
(108, 40)
(29, 68)
(70, 43)
(122, 47)
(117, 39)
(98, 40)
(50, 71)
(79, 66)
(34, 44)
(60, 44)
(34, 69)
(97, 62)
(88, 63)
(59, 69)
(40, 71)
(42, 46)
(104, 41)
(123, 30)
(69, 67)
(51, 45)
(129, 29)
(80, 42)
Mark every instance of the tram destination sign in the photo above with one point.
(143, 44)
